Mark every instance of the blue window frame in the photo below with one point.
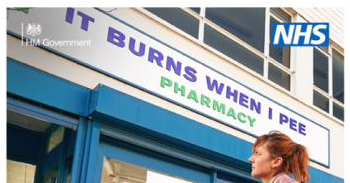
(148, 159)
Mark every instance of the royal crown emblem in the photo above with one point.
(34, 29)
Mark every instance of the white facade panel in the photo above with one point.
(335, 17)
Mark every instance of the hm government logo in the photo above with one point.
(33, 29)
(33, 37)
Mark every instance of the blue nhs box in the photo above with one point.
(299, 34)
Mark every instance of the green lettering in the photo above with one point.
(205, 100)
(177, 89)
(165, 82)
(251, 121)
(193, 95)
(240, 117)
(231, 112)
(219, 108)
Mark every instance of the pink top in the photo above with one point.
(282, 178)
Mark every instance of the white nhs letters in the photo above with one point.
(312, 34)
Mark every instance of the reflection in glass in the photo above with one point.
(115, 171)
(338, 111)
(225, 178)
(279, 53)
(178, 18)
(324, 48)
(320, 70)
(248, 24)
(55, 139)
(338, 76)
(281, 14)
(232, 49)
(197, 10)
(321, 101)
(279, 77)
(51, 176)
(19, 172)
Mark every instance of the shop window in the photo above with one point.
(51, 176)
(279, 77)
(338, 76)
(114, 171)
(232, 49)
(320, 70)
(321, 101)
(248, 24)
(19, 172)
(178, 18)
(225, 178)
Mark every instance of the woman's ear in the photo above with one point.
(277, 162)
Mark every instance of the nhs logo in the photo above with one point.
(299, 34)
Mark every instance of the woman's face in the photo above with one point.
(262, 163)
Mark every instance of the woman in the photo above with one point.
(275, 156)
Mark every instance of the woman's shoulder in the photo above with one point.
(283, 178)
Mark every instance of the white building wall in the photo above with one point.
(335, 17)
(302, 66)
(300, 101)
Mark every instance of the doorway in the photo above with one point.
(38, 151)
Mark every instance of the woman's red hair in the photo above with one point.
(295, 156)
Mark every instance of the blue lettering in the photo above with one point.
(85, 19)
(283, 118)
(293, 124)
(270, 113)
(70, 15)
(141, 50)
(243, 100)
(255, 106)
(302, 129)
(156, 55)
(114, 35)
(214, 84)
(171, 64)
(190, 74)
(229, 93)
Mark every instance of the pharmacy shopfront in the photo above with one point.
(94, 97)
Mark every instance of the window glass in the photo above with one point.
(197, 10)
(55, 138)
(118, 171)
(279, 76)
(321, 101)
(51, 176)
(178, 18)
(320, 70)
(225, 178)
(19, 172)
(279, 53)
(338, 111)
(338, 76)
(281, 14)
(225, 181)
(232, 49)
(324, 48)
(248, 24)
